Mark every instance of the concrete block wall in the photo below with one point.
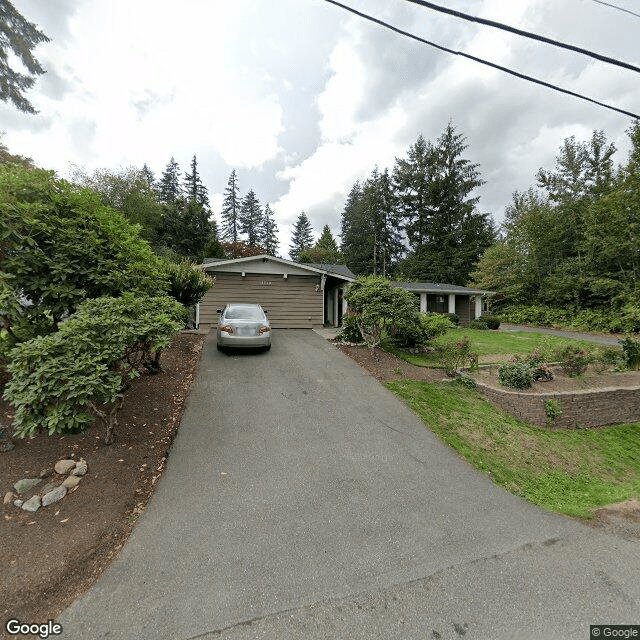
(589, 408)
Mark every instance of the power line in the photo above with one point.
(480, 60)
(615, 6)
(527, 34)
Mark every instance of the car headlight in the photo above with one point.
(226, 328)
(264, 329)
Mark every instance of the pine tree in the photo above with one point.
(193, 187)
(19, 36)
(326, 240)
(231, 210)
(268, 232)
(251, 218)
(169, 190)
(324, 251)
(301, 237)
(188, 229)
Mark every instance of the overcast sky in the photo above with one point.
(303, 99)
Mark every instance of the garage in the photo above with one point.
(295, 296)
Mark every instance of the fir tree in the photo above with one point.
(325, 250)
(149, 177)
(251, 218)
(20, 37)
(302, 236)
(169, 190)
(326, 241)
(268, 232)
(193, 187)
(231, 210)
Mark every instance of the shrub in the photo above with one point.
(540, 370)
(492, 322)
(518, 375)
(573, 359)
(631, 352)
(409, 334)
(187, 282)
(349, 331)
(456, 354)
(60, 382)
(607, 357)
(377, 306)
(453, 318)
(553, 409)
(478, 323)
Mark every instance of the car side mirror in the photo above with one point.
(218, 310)
(265, 311)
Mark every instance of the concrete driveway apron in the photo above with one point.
(304, 500)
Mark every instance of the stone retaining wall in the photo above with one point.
(590, 408)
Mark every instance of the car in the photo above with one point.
(243, 325)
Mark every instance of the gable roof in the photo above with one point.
(340, 271)
(436, 287)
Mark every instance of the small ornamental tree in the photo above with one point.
(378, 306)
(60, 382)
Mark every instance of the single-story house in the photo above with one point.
(295, 296)
(467, 303)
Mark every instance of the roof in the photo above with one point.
(340, 271)
(436, 287)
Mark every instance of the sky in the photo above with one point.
(302, 98)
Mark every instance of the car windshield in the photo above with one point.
(244, 313)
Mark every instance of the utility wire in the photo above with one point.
(480, 60)
(526, 34)
(615, 6)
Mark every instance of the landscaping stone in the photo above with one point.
(48, 487)
(26, 484)
(18, 503)
(53, 496)
(71, 481)
(33, 504)
(64, 466)
(8, 497)
(45, 473)
(81, 468)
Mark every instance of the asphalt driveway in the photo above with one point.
(303, 500)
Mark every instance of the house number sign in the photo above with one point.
(265, 283)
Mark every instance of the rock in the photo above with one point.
(5, 447)
(33, 504)
(45, 473)
(53, 496)
(71, 481)
(18, 503)
(25, 484)
(81, 468)
(47, 487)
(8, 497)
(64, 466)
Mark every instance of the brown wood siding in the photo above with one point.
(292, 303)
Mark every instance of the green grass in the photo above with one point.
(566, 471)
(490, 343)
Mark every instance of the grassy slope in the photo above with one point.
(495, 343)
(571, 472)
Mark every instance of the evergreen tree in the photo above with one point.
(301, 237)
(268, 232)
(193, 187)
(188, 229)
(325, 250)
(326, 240)
(231, 210)
(250, 218)
(169, 189)
(20, 37)
(445, 232)
(149, 177)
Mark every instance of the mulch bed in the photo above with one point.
(51, 557)
(385, 366)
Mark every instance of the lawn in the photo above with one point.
(566, 471)
(494, 343)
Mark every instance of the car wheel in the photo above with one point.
(268, 348)
(219, 347)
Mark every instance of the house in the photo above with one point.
(465, 302)
(295, 295)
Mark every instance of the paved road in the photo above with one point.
(303, 500)
(589, 337)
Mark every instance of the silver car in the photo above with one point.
(243, 325)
